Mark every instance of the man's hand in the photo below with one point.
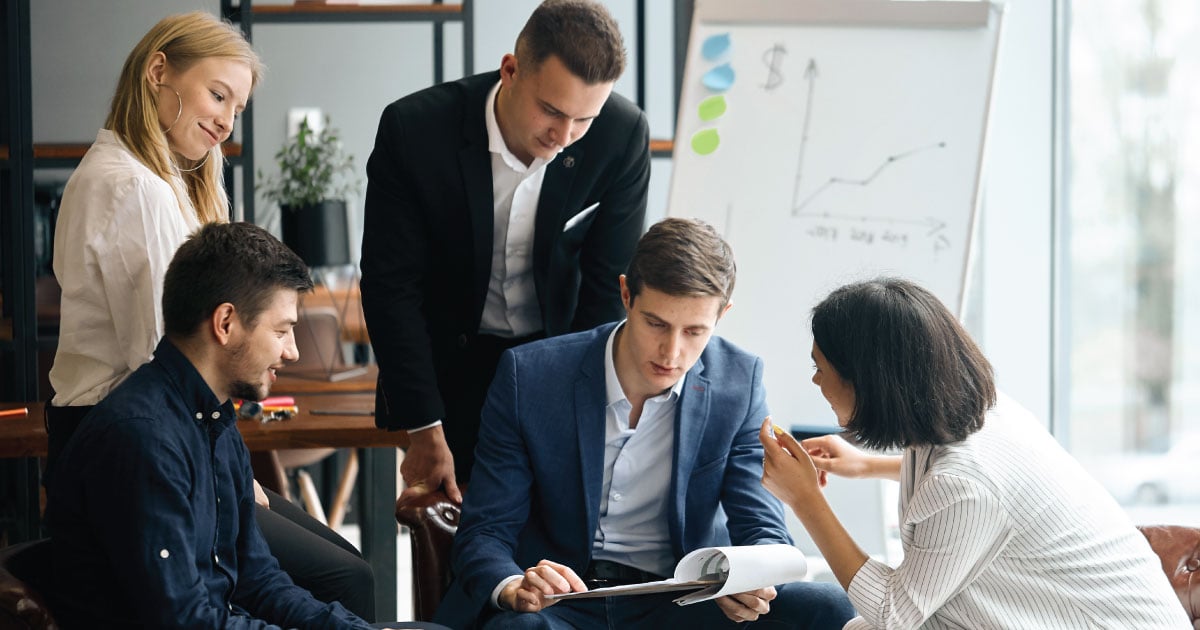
(747, 606)
(260, 497)
(428, 465)
(525, 594)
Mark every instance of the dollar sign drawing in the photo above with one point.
(773, 58)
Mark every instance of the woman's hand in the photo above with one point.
(833, 454)
(788, 471)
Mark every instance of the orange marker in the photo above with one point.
(19, 412)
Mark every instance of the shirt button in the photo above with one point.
(216, 559)
(617, 496)
(164, 554)
(216, 414)
(199, 416)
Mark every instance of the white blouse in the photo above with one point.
(1006, 530)
(118, 226)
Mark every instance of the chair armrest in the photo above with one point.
(432, 519)
(1178, 548)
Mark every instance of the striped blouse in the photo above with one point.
(1006, 530)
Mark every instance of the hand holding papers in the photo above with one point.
(714, 572)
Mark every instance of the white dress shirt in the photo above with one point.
(511, 307)
(118, 227)
(1006, 530)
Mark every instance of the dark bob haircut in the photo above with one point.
(918, 377)
(238, 263)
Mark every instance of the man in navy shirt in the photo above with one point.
(152, 510)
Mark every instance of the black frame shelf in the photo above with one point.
(437, 14)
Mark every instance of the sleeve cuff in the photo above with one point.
(868, 590)
(500, 587)
(435, 423)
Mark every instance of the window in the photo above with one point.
(1131, 281)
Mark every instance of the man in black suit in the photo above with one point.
(499, 208)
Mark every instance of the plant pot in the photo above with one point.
(317, 233)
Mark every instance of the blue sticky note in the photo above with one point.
(719, 79)
(715, 46)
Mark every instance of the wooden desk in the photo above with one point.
(26, 437)
(23, 436)
(305, 430)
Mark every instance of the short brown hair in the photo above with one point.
(918, 377)
(239, 263)
(582, 34)
(682, 258)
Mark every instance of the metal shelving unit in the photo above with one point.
(437, 14)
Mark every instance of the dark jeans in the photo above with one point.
(314, 556)
(809, 605)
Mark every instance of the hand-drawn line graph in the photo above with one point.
(797, 208)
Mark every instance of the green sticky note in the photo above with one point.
(712, 107)
(705, 141)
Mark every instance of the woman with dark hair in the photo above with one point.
(1000, 526)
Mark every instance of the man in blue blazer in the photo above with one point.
(605, 456)
(499, 209)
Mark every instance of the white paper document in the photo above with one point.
(713, 572)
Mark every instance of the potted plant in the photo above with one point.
(315, 177)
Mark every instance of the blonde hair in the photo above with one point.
(185, 39)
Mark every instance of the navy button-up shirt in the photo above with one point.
(151, 515)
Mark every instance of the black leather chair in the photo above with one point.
(22, 568)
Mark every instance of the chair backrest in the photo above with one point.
(21, 568)
(1178, 548)
(432, 520)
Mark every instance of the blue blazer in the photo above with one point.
(535, 489)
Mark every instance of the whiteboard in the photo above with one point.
(831, 141)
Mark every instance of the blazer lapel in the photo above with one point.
(691, 416)
(590, 416)
(476, 163)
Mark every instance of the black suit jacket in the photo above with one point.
(427, 239)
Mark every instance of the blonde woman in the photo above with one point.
(152, 177)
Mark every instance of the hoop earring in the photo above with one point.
(178, 113)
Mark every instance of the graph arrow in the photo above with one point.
(810, 76)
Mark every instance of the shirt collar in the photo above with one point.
(496, 142)
(194, 391)
(612, 385)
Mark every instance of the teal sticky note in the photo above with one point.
(720, 78)
(715, 46)
(705, 141)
